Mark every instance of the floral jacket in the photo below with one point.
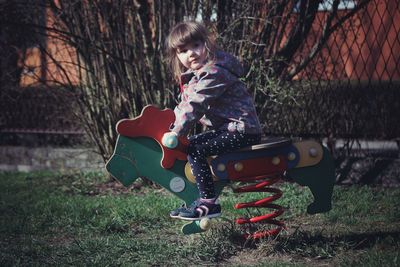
(216, 97)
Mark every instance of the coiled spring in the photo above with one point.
(269, 218)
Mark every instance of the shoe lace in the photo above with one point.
(194, 205)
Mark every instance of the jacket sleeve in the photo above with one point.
(211, 84)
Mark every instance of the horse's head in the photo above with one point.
(139, 145)
(139, 153)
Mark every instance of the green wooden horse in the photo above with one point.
(139, 152)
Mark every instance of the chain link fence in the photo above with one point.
(38, 116)
(350, 90)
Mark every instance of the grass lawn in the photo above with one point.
(79, 219)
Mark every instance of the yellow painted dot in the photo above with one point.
(221, 167)
(291, 156)
(189, 173)
(276, 160)
(205, 224)
(238, 166)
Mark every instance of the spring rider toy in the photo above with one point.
(141, 152)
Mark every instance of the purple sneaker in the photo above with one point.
(199, 210)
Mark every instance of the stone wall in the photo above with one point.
(25, 159)
(360, 168)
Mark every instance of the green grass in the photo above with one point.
(74, 219)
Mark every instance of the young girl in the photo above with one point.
(212, 94)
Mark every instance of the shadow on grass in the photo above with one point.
(322, 246)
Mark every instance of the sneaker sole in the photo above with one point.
(199, 218)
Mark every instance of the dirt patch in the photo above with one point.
(376, 171)
(266, 255)
(113, 187)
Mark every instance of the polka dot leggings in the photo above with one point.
(213, 143)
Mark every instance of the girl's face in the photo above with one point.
(193, 55)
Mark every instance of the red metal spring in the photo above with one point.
(265, 203)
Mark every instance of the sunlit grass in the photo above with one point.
(64, 219)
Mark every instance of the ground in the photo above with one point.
(84, 219)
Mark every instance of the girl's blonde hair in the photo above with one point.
(182, 34)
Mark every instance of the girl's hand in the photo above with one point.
(170, 140)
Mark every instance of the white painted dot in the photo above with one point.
(177, 184)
